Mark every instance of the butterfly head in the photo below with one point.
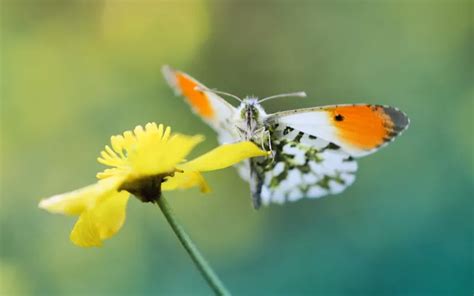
(250, 119)
(250, 109)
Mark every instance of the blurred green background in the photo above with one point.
(73, 73)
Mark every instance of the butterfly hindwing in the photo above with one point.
(302, 166)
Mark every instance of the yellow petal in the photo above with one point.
(155, 155)
(77, 201)
(185, 180)
(218, 158)
(224, 156)
(110, 214)
(85, 233)
(180, 146)
(100, 222)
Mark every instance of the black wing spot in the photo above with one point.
(350, 158)
(375, 108)
(332, 146)
(299, 136)
(339, 117)
(287, 130)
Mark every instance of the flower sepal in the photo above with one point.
(148, 188)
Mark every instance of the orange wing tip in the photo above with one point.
(368, 127)
(192, 90)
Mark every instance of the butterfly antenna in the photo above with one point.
(300, 94)
(200, 88)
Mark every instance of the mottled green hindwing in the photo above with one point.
(302, 166)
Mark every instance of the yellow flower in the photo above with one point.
(142, 162)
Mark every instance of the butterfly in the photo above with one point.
(313, 150)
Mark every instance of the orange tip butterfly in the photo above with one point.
(313, 149)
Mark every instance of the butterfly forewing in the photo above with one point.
(358, 129)
(213, 109)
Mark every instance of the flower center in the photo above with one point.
(146, 189)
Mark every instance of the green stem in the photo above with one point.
(209, 275)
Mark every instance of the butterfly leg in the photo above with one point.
(241, 132)
(263, 135)
(267, 136)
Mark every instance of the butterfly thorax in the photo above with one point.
(250, 121)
